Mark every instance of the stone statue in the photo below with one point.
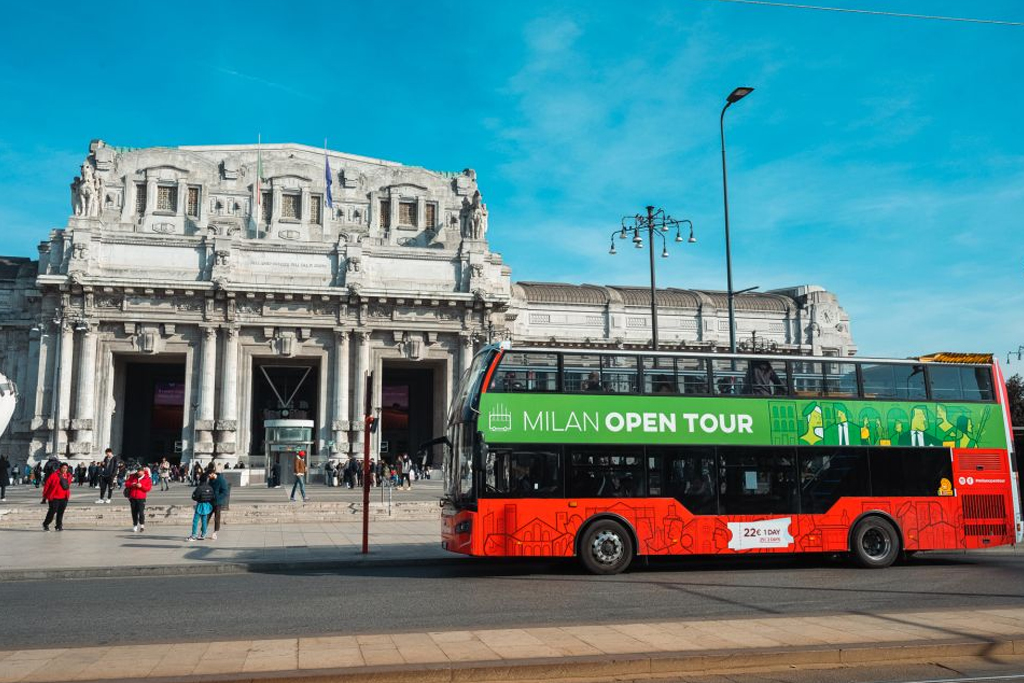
(87, 192)
(474, 218)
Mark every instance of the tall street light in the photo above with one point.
(656, 222)
(735, 96)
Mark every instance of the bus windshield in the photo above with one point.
(458, 470)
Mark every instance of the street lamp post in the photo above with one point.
(735, 96)
(655, 218)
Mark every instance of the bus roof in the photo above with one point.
(941, 357)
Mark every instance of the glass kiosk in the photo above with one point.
(285, 438)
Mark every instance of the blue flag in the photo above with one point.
(327, 175)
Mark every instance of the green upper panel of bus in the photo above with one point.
(638, 419)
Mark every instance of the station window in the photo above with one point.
(291, 206)
(316, 208)
(430, 215)
(192, 205)
(140, 199)
(167, 198)
(385, 213)
(407, 213)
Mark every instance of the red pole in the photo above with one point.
(368, 424)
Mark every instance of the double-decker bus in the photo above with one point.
(610, 455)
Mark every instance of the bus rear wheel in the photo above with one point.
(606, 547)
(874, 543)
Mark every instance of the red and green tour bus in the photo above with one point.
(610, 455)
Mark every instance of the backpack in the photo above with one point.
(203, 493)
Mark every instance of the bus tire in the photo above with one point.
(875, 544)
(606, 547)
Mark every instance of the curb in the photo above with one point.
(631, 667)
(217, 568)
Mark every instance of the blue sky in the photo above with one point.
(879, 157)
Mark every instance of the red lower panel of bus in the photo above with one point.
(978, 515)
(547, 528)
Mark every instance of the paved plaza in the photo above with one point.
(628, 650)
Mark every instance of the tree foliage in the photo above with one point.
(1015, 390)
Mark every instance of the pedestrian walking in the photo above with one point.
(5, 477)
(406, 470)
(165, 475)
(221, 495)
(136, 489)
(203, 496)
(300, 476)
(57, 493)
(108, 474)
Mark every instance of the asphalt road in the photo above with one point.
(487, 594)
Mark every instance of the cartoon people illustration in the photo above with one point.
(964, 432)
(944, 429)
(838, 434)
(896, 420)
(918, 425)
(945, 487)
(815, 425)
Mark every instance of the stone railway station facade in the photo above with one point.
(196, 292)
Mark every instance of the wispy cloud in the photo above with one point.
(268, 83)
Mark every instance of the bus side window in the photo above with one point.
(758, 481)
(691, 477)
(606, 473)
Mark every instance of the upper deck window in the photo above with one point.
(960, 383)
(902, 382)
(526, 371)
(600, 374)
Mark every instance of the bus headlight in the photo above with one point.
(464, 527)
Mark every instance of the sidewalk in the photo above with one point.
(163, 550)
(635, 651)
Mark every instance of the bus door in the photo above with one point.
(982, 483)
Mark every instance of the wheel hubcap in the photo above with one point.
(875, 543)
(607, 547)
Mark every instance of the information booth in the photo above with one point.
(285, 438)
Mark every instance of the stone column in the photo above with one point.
(205, 423)
(34, 384)
(86, 406)
(340, 415)
(362, 366)
(150, 196)
(227, 424)
(465, 353)
(66, 360)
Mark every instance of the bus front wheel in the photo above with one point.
(606, 547)
(874, 543)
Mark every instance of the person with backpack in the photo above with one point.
(56, 493)
(204, 496)
(221, 494)
(135, 489)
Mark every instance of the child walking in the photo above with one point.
(203, 495)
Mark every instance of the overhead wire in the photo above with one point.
(883, 13)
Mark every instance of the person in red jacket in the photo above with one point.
(137, 486)
(57, 492)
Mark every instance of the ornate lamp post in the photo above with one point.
(656, 222)
(736, 95)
